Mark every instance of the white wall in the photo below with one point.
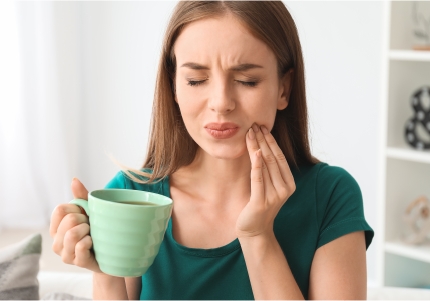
(342, 47)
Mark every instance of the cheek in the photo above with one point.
(262, 108)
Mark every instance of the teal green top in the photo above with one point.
(326, 204)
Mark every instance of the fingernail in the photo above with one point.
(73, 179)
(255, 128)
(251, 134)
(264, 130)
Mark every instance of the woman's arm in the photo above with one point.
(268, 270)
(106, 287)
(339, 270)
(134, 287)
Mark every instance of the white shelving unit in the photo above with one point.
(405, 171)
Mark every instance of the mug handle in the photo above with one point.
(81, 203)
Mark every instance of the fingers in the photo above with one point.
(58, 214)
(257, 180)
(269, 158)
(78, 189)
(84, 257)
(283, 169)
(68, 222)
(275, 171)
(71, 240)
(79, 192)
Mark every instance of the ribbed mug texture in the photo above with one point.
(127, 237)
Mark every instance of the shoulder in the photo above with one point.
(330, 176)
(336, 182)
(122, 180)
(321, 174)
(339, 204)
(331, 186)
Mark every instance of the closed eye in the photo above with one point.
(196, 83)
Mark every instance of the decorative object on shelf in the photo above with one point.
(421, 116)
(417, 217)
(422, 24)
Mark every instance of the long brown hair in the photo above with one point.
(170, 145)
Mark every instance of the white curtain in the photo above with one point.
(38, 114)
(77, 81)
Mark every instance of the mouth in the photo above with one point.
(222, 130)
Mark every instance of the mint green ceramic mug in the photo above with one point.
(127, 228)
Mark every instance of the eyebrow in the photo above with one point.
(241, 67)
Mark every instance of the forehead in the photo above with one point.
(222, 39)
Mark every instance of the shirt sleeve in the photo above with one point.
(339, 205)
(117, 182)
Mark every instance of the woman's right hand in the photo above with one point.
(70, 229)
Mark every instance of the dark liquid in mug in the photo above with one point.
(138, 203)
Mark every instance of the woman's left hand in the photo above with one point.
(272, 183)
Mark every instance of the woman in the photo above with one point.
(255, 214)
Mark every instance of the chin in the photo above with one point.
(226, 152)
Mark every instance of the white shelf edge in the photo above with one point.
(421, 253)
(409, 55)
(408, 154)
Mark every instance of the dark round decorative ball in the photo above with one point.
(421, 115)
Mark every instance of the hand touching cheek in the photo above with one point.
(272, 183)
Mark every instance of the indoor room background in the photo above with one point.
(78, 78)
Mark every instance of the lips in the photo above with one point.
(222, 130)
(221, 126)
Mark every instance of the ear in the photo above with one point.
(285, 85)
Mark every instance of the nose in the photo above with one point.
(221, 99)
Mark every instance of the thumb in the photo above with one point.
(78, 189)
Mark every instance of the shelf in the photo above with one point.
(419, 252)
(408, 154)
(409, 55)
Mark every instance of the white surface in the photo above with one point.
(76, 284)
(395, 293)
(410, 55)
(420, 252)
(408, 154)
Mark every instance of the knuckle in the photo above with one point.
(269, 158)
(71, 236)
(61, 209)
(72, 219)
(280, 157)
(66, 258)
(82, 246)
(284, 192)
(292, 187)
(257, 177)
(56, 248)
(260, 140)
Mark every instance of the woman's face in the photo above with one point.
(215, 88)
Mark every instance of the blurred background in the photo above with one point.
(78, 78)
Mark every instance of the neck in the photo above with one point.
(216, 181)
